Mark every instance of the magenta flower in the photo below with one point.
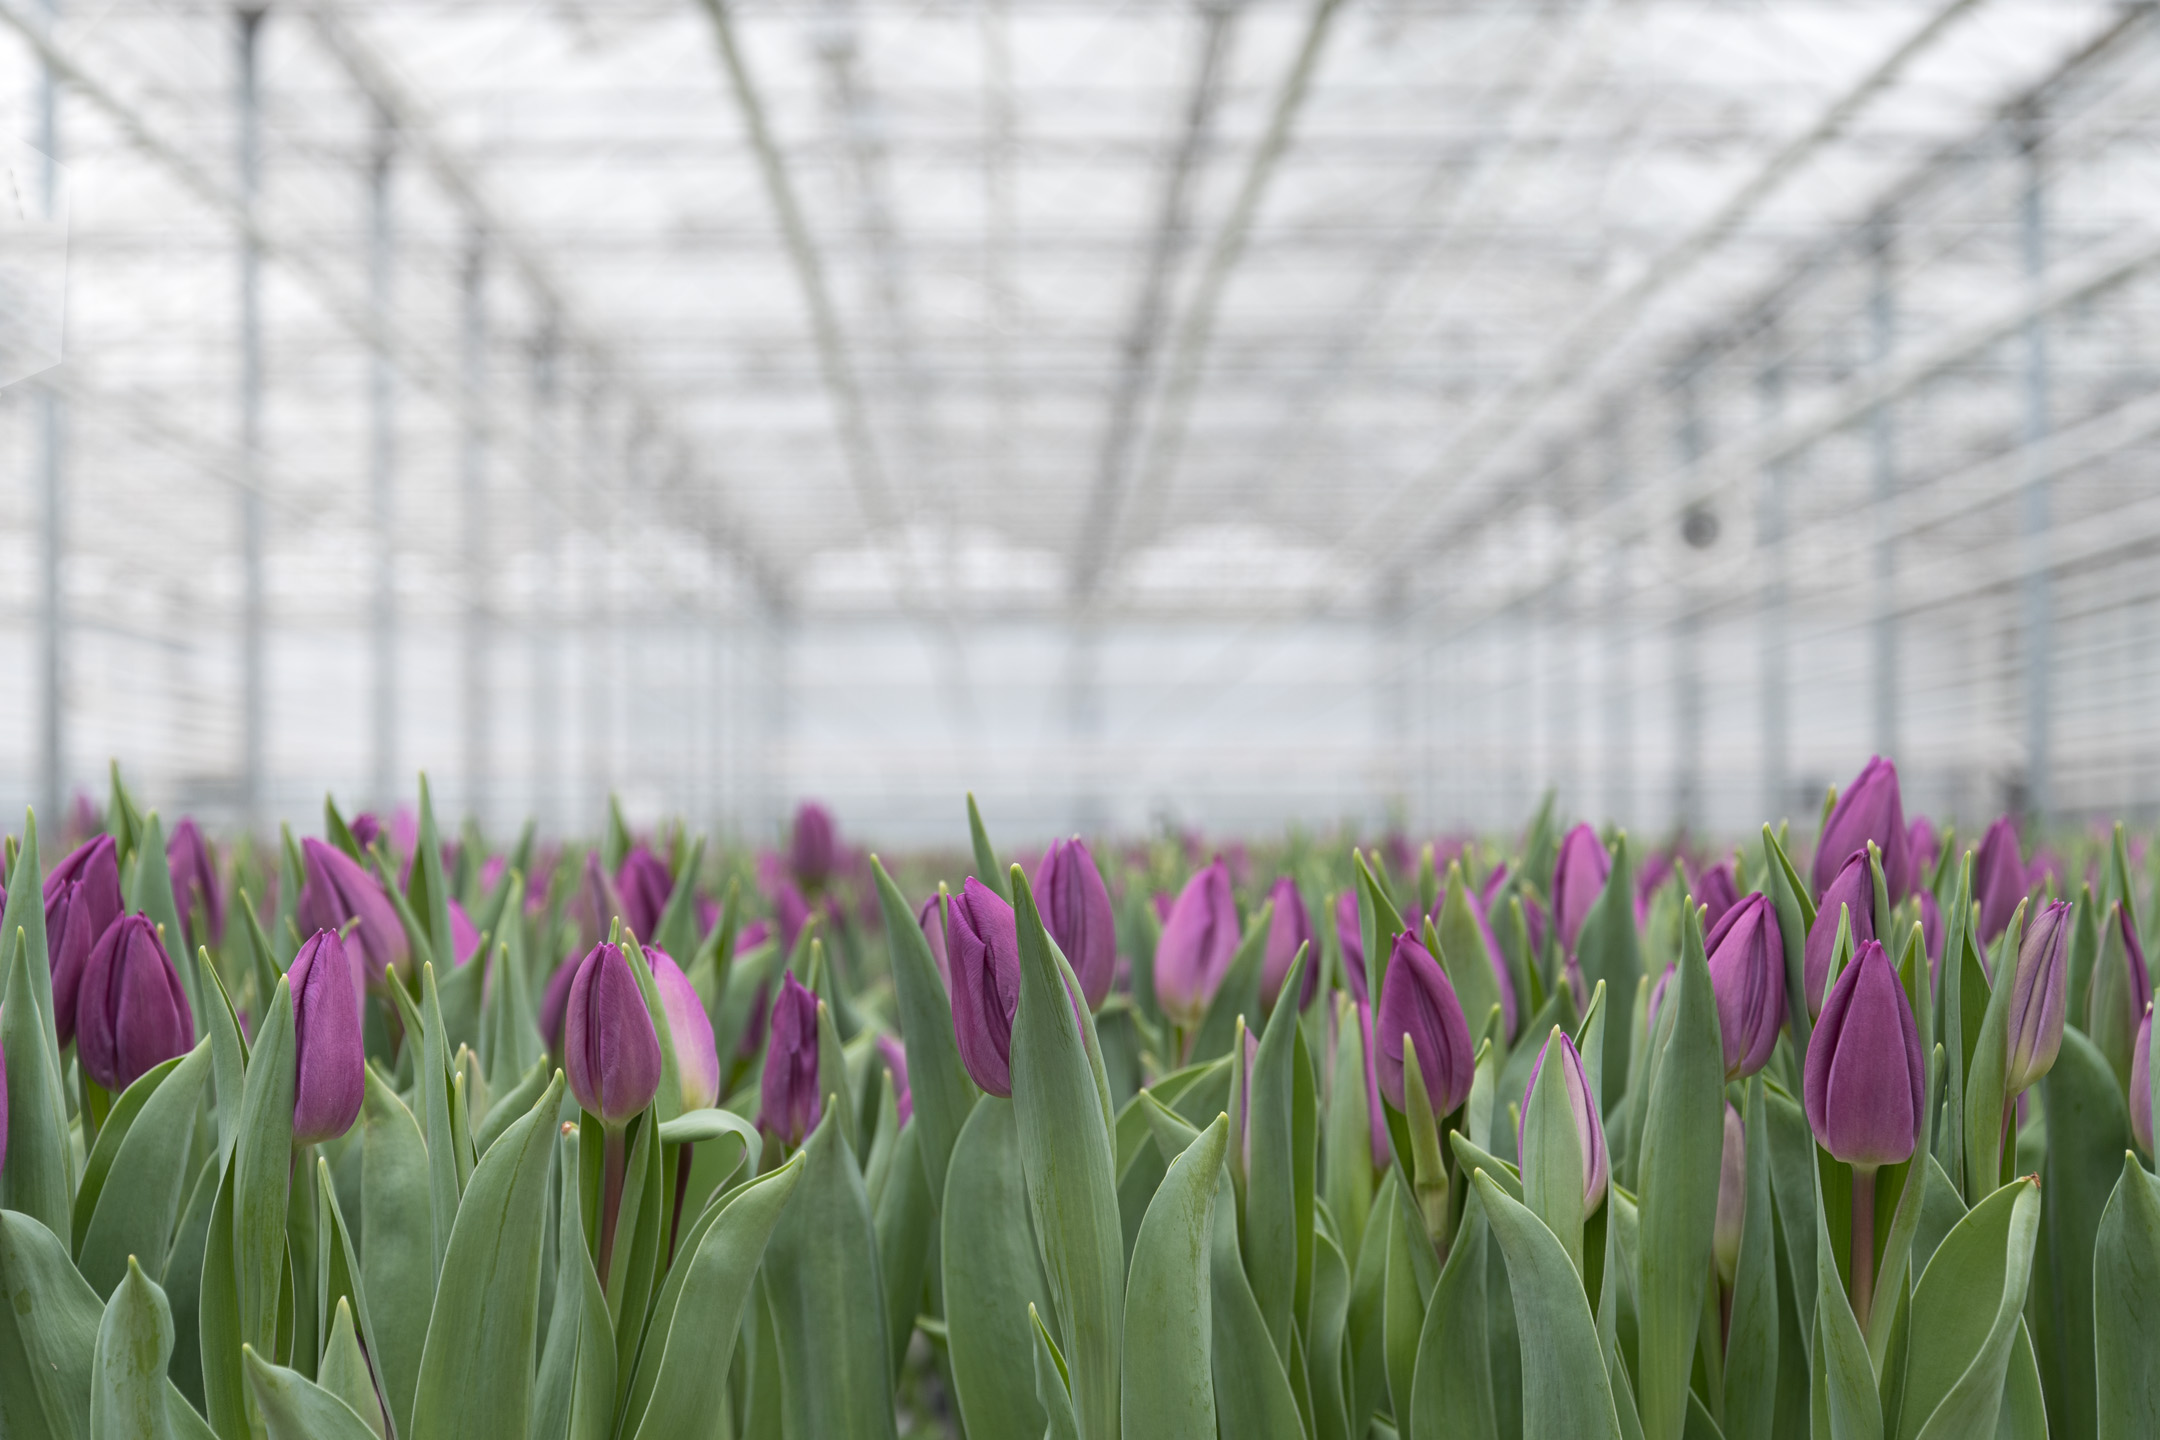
(1351, 937)
(789, 1100)
(329, 1069)
(611, 1050)
(1854, 889)
(1076, 912)
(1289, 927)
(82, 900)
(195, 883)
(982, 940)
(814, 848)
(1868, 809)
(1716, 892)
(697, 1058)
(644, 884)
(131, 1013)
(1998, 879)
(2039, 998)
(1579, 873)
(1589, 1127)
(1747, 974)
(1864, 1087)
(335, 892)
(931, 917)
(1416, 1000)
(2141, 1096)
(1198, 941)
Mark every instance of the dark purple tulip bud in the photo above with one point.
(1198, 942)
(611, 1051)
(1076, 911)
(195, 883)
(336, 892)
(1868, 809)
(1417, 1000)
(1579, 874)
(697, 1058)
(1853, 888)
(644, 884)
(894, 1054)
(1864, 1086)
(789, 1102)
(1998, 879)
(2141, 1096)
(1924, 845)
(555, 1003)
(983, 942)
(1288, 928)
(2039, 997)
(1589, 1127)
(82, 900)
(329, 1077)
(813, 850)
(931, 917)
(366, 827)
(1717, 892)
(130, 1013)
(1351, 937)
(1747, 974)
(1731, 1199)
(790, 912)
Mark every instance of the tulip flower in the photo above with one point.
(697, 1059)
(708, 915)
(1418, 1001)
(813, 850)
(644, 884)
(1289, 928)
(131, 1013)
(1589, 1128)
(931, 917)
(1192, 958)
(1579, 874)
(1076, 912)
(1747, 975)
(2039, 998)
(596, 904)
(982, 941)
(1998, 879)
(336, 892)
(752, 935)
(464, 936)
(195, 883)
(82, 900)
(1925, 846)
(329, 1070)
(1868, 809)
(790, 913)
(1731, 1199)
(1853, 888)
(1717, 892)
(555, 1002)
(1350, 935)
(1376, 1118)
(789, 1099)
(611, 1050)
(894, 1054)
(364, 828)
(2141, 1095)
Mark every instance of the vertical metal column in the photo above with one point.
(1687, 625)
(547, 521)
(1619, 711)
(382, 458)
(2039, 596)
(1776, 643)
(253, 717)
(51, 421)
(477, 641)
(1882, 435)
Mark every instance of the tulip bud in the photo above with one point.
(983, 942)
(813, 849)
(1999, 879)
(790, 913)
(894, 1054)
(1192, 958)
(1747, 974)
(82, 900)
(1417, 1000)
(930, 915)
(1376, 1118)
(334, 892)
(708, 915)
(130, 1013)
(611, 1051)
(596, 904)
(1868, 809)
(1731, 1199)
(2141, 1090)
(697, 1058)
(1853, 888)
(1076, 912)
(1350, 935)
(2039, 998)
(555, 1001)
(1925, 847)
(329, 1075)
(195, 883)
(1289, 928)
(1503, 978)
(1579, 873)
(644, 884)
(1717, 892)
(789, 1101)
(1864, 1087)
(1589, 1128)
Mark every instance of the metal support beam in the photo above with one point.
(382, 476)
(253, 716)
(2039, 637)
(477, 639)
(1882, 437)
(51, 422)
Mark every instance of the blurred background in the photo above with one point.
(1217, 414)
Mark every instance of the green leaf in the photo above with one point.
(397, 1251)
(228, 1056)
(1966, 1313)
(943, 1093)
(987, 868)
(150, 891)
(337, 1287)
(2126, 1307)
(184, 1276)
(1796, 916)
(1412, 1271)
(344, 1371)
(38, 1179)
(145, 1176)
(1461, 951)
(576, 1395)
(1986, 1103)
(1253, 1397)
(1169, 1391)
(1451, 1393)
(1274, 1226)
(1552, 1160)
(990, 1272)
(476, 1366)
(1751, 1337)
(25, 912)
(2088, 1131)
(1325, 1354)
(1346, 1146)
(262, 1173)
(1066, 1159)
(134, 1342)
(1052, 1387)
(906, 1219)
(508, 1106)
(429, 894)
(1565, 1390)
(676, 931)
(296, 1408)
(1609, 949)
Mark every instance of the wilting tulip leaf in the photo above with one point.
(1052, 1385)
(133, 1212)
(296, 1408)
(2126, 1307)
(262, 1173)
(991, 1275)
(1451, 1393)
(476, 1366)
(1565, 1391)
(127, 1377)
(38, 1178)
(1966, 1311)
(1253, 1396)
(1169, 1388)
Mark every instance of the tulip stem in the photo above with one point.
(1863, 1242)
(611, 1183)
(682, 1189)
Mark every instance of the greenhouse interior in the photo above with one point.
(854, 719)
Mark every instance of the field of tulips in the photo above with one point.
(390, 1132)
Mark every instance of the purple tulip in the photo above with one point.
(708, 915)
(1376, 1118)
(365, 827)
(1503, 980)
(1716, 891)
(195, 883)
(813, 850)
(336, 892)
(697, 1058)
(644, 884)
(2039, 997)
(1868, 809)
(1192, 958)
(1579, 874)
(597, 903)
(131, 1014)
(789, 1101)
(894, 1054)
(611, 1051)
(464, 936)
(329, 1070)
(1731, 1220)
(2141, 1095)
(931, 917)
(1925, 846)
(1076, 911)
(790, 912)
(1854, 888)
(1589, 1128)
(555, 1002)
(1998, 879)
(983, 941)
(1864, 1086)
(1350, 935)
(1747, 974)
(1289, 928)
(1417, 1000)
(82, 900)
(752, 935)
